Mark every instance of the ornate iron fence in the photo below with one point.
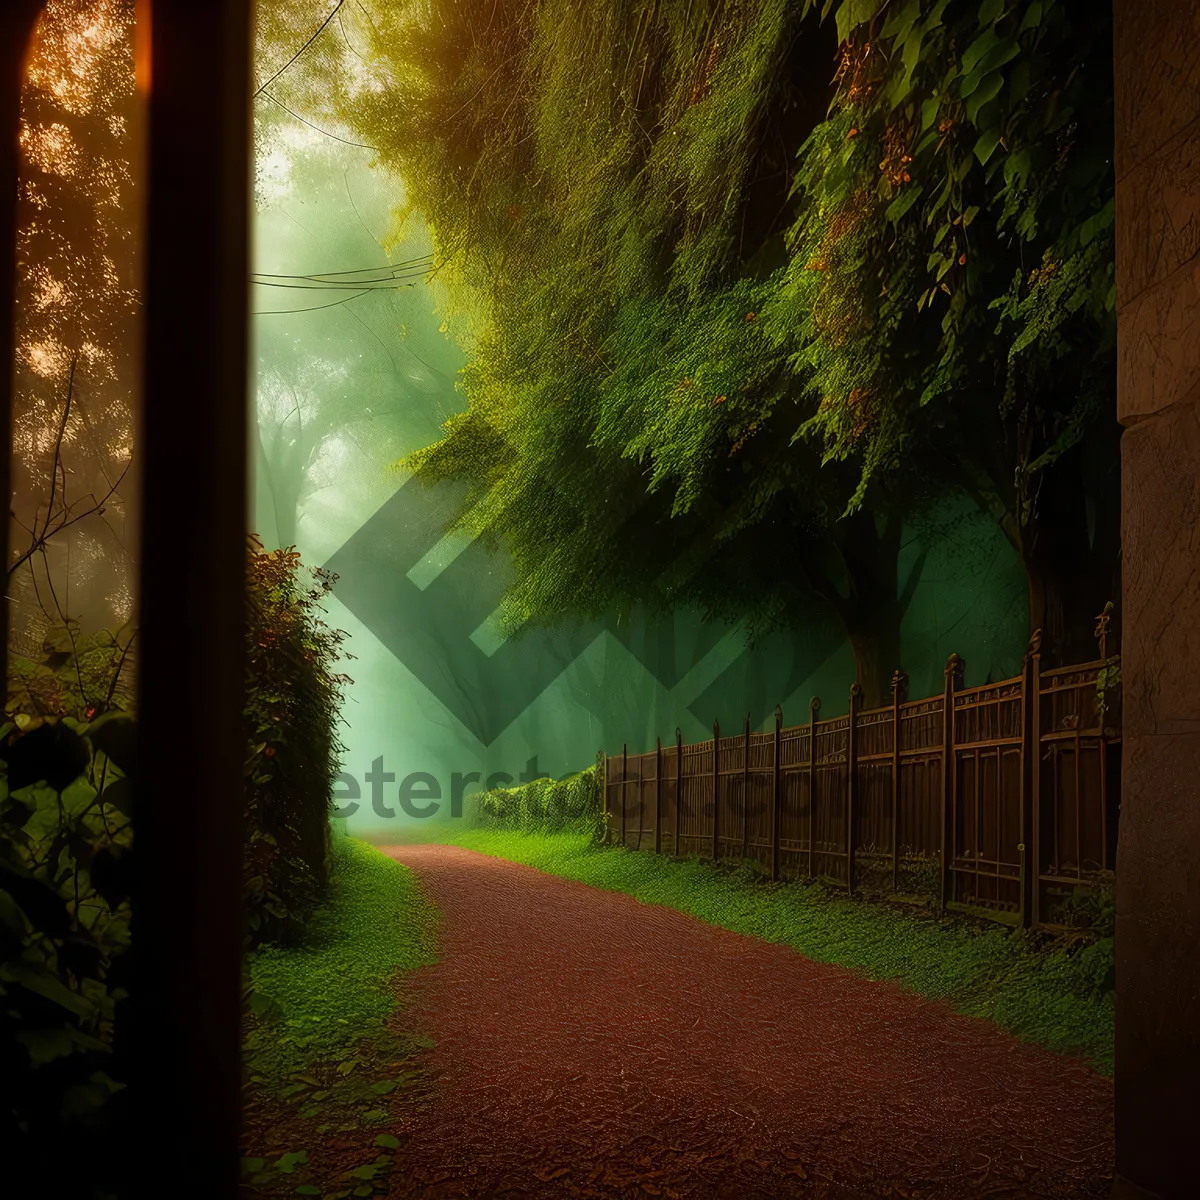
(1003, 796)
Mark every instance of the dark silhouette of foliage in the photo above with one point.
(292, 709)
(69, 745)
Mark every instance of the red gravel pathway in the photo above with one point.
(589, 1045)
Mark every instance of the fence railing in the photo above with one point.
(1001, 798)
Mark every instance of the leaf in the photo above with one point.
(115, 734)
(977, 49)
(41, 982)
(289, 1162)
(1033, 16)
(853, 13)
(51, 754)
(384, 1087)
(990, 11)
(988, 90)
(902, 203)
(307, 1189)
(387, 1141)
(986, 145)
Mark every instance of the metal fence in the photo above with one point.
(1002, 798)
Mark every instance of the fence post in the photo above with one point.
(775, 796)
(746, 792)
(657, 795)
(899, 681)
(1029, 766)
(814, 707)
(624, 788)
(716, 787)
(1030, 839)
(602, 757)
(953, 681)
(678, 784)
(851, 779)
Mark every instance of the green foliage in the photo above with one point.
(317, 1000)
(547, 805)
(68, 745)
(956, 213)
(293, 700)
(1057, 996)
(715, 315)
(322, 1039)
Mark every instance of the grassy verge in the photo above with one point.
(328, 1056)
(1053, 994)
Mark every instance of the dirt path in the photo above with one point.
(589, 1045)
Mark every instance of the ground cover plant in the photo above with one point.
(1056, 993)
(329, 1058)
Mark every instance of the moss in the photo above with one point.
(317, 1002)
(1058, 996)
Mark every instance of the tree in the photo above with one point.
(950, 293)
(77, 323)
(730, 333)
(348, 346)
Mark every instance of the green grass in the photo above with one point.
(319, 1001)
(1057, 996)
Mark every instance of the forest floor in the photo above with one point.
(585, 1044)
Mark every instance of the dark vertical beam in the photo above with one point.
(658, 795)
(716, 851)
(188, 921)
(776, 805)
(1031, 775)
(814, 707)
(953, 681)
(678, 784)
(746, 791)
(624, 789)
(852, 779)
(1156, 152)
(899, 679)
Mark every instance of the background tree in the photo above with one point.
(77, 323)
(732, 322)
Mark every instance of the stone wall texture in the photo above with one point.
(1157, 160)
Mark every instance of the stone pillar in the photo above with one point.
(1157, 161)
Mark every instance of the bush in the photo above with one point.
(547, 805)
(293, 701)
(68, 740)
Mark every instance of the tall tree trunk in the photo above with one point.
(1071, 551)
(856, 572)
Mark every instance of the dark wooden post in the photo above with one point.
(1030, 772)
(602, 761)
(624, 788)
(188, 921)
(899, 681)
(678, 784)
(658, 795)
(746, 792)
(953, 681)
(814, 707)
(852, 779)
(776, 814)
(716, 788)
